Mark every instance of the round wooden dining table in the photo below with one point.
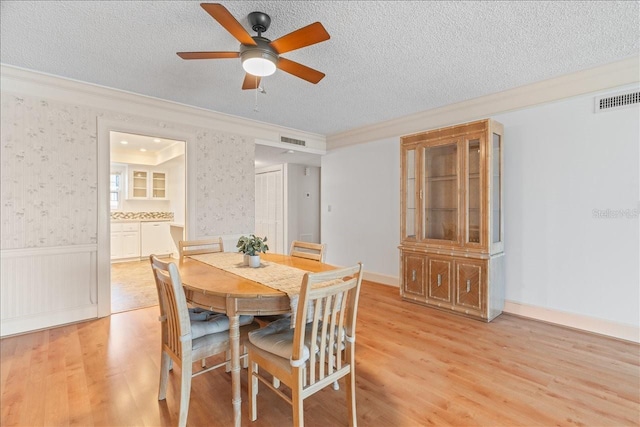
(215, 289)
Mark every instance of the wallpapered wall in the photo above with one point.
(48, 159)
(225, 175)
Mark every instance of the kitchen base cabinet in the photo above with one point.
(125, 240)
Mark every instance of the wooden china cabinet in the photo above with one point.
(452, 241)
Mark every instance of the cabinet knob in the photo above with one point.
(468, 285)
(413, 275)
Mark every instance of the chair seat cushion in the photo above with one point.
(209, 344)
(197, 313)
(277, 338)
(218, 342)
(214, 323)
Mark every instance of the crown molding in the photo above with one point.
(28, 82)
(604, 77)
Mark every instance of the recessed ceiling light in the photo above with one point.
(290, 151)
(123, 142)
(156, 140)
(143, 149)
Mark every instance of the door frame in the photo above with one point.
(103, 258)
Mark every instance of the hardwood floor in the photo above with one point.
(415, 366)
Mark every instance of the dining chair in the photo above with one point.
(318, 350)
(198, 247)
(185, 341)
(314, 251)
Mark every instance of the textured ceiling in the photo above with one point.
(384, 59)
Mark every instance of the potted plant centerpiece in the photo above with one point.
(251, 247)
(242, 248)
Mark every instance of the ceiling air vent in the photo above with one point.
(615, 102)
(292, 141)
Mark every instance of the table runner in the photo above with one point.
(283, 278)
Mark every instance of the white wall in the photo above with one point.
(360, 188)
(561, 163)
(303, 203)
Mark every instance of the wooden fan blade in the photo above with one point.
(305, 36)
(250, 82)
(208, 55)
(231, 24)
(299, 70)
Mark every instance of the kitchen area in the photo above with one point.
(147, 201)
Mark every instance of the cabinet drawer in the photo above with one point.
(440, 279)
(116, 227)
(130, 226)
(470, 283)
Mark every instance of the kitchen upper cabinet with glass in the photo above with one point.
(452, 250)
(147, 184)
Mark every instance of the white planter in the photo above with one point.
(246, 259)
(254, 261)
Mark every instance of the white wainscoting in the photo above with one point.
(44, 287)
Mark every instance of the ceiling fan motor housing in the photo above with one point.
(259, 21)
(262, 50)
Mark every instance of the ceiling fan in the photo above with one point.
(261, 56)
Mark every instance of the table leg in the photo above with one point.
(234, 341)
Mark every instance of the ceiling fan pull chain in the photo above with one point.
(255, 108)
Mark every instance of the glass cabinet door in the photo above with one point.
(410, 194)
(139, 187)
(496, 190)
(474, 192)
(440, 219)
(159, 185)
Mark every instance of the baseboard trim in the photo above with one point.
(576, 321)
(383, 279)
(47, 320)
(570, 320)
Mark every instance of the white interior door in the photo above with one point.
(269, 208)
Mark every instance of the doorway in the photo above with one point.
(147, 199)
(270, 203)
(288, 205)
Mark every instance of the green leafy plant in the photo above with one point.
(242, 244)
(252, 245)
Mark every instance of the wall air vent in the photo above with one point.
(288, 140)
(617, 101)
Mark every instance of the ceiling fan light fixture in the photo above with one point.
(258, 63)
(260, 67)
